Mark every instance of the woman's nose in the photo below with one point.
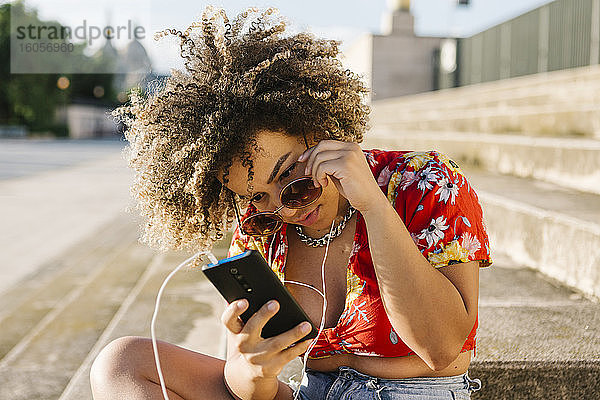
(282, 210)
(286, 212)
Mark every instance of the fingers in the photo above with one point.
(288, 338)
(296, 350)
(284, 347)
(257, 322)
(281, 347)
(327, 163)
(325, 152)
(322, 145)
(230, 317)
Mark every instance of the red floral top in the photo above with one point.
(443, 215)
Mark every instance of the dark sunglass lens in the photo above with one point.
(300, 193)
(260, 225)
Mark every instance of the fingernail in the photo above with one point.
(304, 327)
(301, 158)
(241, 304)
(272, 305)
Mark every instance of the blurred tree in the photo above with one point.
(32, 99)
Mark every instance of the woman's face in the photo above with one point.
(276, 164)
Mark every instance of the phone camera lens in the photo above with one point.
(233, 271)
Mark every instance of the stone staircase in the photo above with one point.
(538, 180)
(558, 103)
(539, 335)
(55, 322)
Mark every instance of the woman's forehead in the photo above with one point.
(271, 149)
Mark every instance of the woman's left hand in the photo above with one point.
(346, 166)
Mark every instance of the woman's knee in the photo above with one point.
(124, 357)
(127, 365)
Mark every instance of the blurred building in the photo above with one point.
(86, 119)
(397, 62)
(559, 35)
(132, 68)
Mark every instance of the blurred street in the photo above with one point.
(53, 193)
(23, 158)
(73, 275)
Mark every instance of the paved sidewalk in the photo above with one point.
(25, 157)
(45, 212)
(73, 275)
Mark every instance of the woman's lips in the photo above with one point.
(311, 218)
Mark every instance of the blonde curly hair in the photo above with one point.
(239, 78)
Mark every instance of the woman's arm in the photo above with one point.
(433, 310)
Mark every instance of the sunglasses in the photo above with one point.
(297, 194)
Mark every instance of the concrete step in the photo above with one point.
(189, 315)
(105, 292)
(569, 162)
(537, 339)
(537, 380)
(579, 120)
(474, 97)
(111, 296)
(544, 226)
(25, 304)
(559, 103)
(41, 363)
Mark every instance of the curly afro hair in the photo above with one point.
(239, 78)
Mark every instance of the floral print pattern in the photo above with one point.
(442, 213)
(435, 231)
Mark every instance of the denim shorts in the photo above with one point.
(349, 384)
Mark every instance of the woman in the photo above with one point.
(271, 123)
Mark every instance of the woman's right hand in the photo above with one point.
(253, 362)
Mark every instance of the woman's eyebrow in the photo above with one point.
(278, 165)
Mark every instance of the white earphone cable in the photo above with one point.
(214, 260)
(322, 324)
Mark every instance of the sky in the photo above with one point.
(344, 20)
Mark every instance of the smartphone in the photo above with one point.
(248, 276)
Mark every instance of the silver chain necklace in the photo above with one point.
(322, 241)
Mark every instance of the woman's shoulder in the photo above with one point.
(384, 163)
(378, 156)
(439, 207)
